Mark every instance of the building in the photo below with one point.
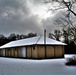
(34, 48)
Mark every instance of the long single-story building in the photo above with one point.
(34, 48)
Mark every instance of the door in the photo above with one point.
(3, 52)
(23, 51)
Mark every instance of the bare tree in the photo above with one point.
(31, 34)
(68, 26)
(56, 35)
(67, 21)
(69, 5)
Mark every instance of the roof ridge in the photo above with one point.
(38, 39)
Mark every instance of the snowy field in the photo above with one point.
(11, 66)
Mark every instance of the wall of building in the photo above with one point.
(35, 51)
(59, 51)
(28, 52)
(1, 54)
(13, 52)
(31, 51)
(50, 52)
(41, 51)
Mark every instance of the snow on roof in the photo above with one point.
(31, 41)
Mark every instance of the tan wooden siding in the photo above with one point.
(37, 52)
(12, 54)
(49, 51)
(19, 52)
(41, 52)
(6, 52)
(0, 52)
(29, 49)
(9, 53)
(34, 51)
(63, 50)
(15, 53)
(58, 51)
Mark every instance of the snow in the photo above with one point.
(70, 56)
(12, 66)
(50, 41)
(22, 42)
(31, 41)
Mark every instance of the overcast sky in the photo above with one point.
(24, 16)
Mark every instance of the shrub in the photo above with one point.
(71, 61)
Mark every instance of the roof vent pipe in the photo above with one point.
(45, 36)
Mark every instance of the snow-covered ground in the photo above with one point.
(11, 66)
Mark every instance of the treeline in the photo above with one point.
(68, 36)
(13, 37)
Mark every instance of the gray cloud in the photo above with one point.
(37, 2)
(48, 24)
(16, 17)
(18, 24)
(11, 3)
